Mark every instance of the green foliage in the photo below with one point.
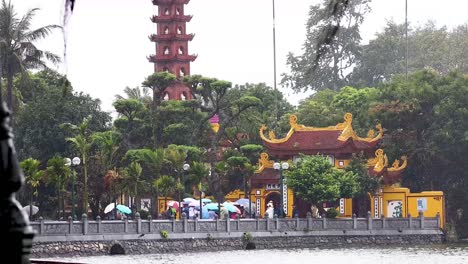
(329, 50)
(315, 180)
(332, 213)
(366, 183)
(440, 49)
(18, 51)
(247, 237)
(40, 136)
(166, 185)
(144, 214)
(164, 234)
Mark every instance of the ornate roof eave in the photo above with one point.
(380, 163)
(396, 167)
(346, 128)
(177, 57)
(159, 2)
(264, 163)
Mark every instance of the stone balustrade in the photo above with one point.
(139, 226)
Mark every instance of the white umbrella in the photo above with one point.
(109, 208)
(189, 200)
(27, 209)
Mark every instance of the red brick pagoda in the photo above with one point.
(172, 46)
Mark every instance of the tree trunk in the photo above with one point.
(10, 93)
(85, 191)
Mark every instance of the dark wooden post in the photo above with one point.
(17, 234)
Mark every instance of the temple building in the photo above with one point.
(172, 40)
(338, 143)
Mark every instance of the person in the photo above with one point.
(212, 215)
(315, 212)
(295, 212)
(186, 210)
(170, 213)
(224, 213)
(270, 210)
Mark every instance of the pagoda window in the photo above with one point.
(341, 164)
(166, 97)
(166, 11)
(179, 30)
(166, 50)
(166, 30)
(181, 50)
(182, 71)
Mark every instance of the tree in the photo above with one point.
(133, 184)
(429, 46)
(366, 184)
(82, 143)
(58, 173)
(48, 103)
(166, 185)
(157, 82)
(153, 160)
(331, 47)
(315, 180)
(17, 49)
(33, 177)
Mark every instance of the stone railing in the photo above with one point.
(139, 226)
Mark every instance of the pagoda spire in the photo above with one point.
(171, 41)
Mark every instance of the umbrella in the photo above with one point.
(231, 208)
(174, 204)
(211, 206)
(189, 200)
(204, 200)
(194, 204)
(245, 203)
(124, 209)
(27, 209)
(109, 208)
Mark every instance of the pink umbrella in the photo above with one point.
(174, 204)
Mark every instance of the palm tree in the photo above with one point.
(33, 176)
(153, 160)
(82, 143)
(132, 182)
(58, 173)
(17, 50)
(166, 186)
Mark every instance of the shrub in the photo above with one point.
(332, 213)
(164, 234)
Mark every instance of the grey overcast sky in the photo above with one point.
(108, 43)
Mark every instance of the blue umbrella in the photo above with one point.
(204, 200)
(231, 208)
(211, 206)
(124, 209)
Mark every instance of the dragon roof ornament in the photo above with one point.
(264, 162)
(346, 127)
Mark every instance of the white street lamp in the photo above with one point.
(73, 162)
(283, 190)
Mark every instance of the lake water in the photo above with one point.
(393, 255)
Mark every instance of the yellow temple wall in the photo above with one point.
(429, 202)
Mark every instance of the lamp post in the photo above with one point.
(283, 190)
(185, 168)
(73, 162)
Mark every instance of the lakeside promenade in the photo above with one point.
(98, 237)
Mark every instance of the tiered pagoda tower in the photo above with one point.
(172, 46)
